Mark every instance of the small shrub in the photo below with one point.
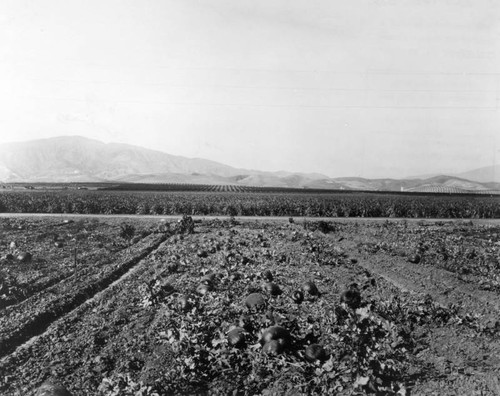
(127, 232)
(185, 225)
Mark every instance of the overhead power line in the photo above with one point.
(271, 105)
(256, 87)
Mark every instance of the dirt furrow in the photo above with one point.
(444, 286)
(15, 333)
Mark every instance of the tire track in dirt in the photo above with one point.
(444, 286)
(38, 324)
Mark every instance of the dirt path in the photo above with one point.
(249, 218)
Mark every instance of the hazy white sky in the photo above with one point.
(373, 88)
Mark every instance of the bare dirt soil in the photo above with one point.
(404, 307)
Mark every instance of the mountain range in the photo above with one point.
(79, 159)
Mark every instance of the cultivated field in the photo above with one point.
(285, 203)
(144, 307)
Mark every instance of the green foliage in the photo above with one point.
(158, 346)
(122, 385)
(251, 204)
(10, 288)
(323, 226)
(363, 350)
(127, 232)
(185, 225)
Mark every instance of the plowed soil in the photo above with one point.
(426, 324)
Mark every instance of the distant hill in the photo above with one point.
(74, 158)
(483, 175)
(79, 159)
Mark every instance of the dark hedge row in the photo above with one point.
(255, 204)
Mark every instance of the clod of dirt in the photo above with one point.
(58, 244)
(298, 296)
(311, 288)
(237, 337)
(24, 257)
(52, 389)
(272, 288)
(315, 352)
(255, 301)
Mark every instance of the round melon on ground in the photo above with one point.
(272, 288)
(52, 389)
(315, 352)
(276, 333)
(311, 288)
(237, 337)
(255, 301)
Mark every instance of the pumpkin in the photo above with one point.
(24, 257)
(237, 337)
(310, 287)
(315, 352)
(184, 303)
(208, 278)
(298, 296)
(272, 288)
(273, 347)
(204, 288)
(52, 389)
(276, 333)
(268, 275)
(255, 301)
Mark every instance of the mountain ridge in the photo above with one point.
(80, 159)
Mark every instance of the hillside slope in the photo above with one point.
(79, 159)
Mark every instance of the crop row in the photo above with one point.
(254, 308)
(254, 204)
(19, 322)
(37, 254)
(473, 253)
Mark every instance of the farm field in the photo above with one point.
(292, 203)
(402, 308)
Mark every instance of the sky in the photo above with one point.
(369, 88)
